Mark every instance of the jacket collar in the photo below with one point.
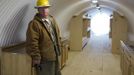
(37, 16)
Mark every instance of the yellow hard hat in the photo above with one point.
(42, 3)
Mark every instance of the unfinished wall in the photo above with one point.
(76, 24)
(15, 15)
(14, 18)
(119, 31)
(64, 10)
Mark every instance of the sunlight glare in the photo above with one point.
(100, 24)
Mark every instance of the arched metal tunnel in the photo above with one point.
(16, 14)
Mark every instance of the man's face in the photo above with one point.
(43, 11)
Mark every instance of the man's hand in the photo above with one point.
(35, 62)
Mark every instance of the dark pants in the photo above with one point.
(48, 68)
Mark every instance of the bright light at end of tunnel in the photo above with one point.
(100, 24)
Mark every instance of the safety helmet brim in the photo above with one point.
(36, 7)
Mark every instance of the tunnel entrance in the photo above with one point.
(99, 30)
(100, 24)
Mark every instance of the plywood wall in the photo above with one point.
(119, 31)
(86, 25)
(76, 25)
(0, 60)
(15, 64)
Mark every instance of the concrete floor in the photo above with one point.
(95, 59)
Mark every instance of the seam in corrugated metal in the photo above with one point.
(11, 16)
(5, 15)
(15, 23)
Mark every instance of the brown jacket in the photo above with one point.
(39, 43)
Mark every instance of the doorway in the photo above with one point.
(100, 28)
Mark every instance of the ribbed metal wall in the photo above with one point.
(14, 18)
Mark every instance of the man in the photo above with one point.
(43, 41)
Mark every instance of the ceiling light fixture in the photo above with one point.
(94, 1)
